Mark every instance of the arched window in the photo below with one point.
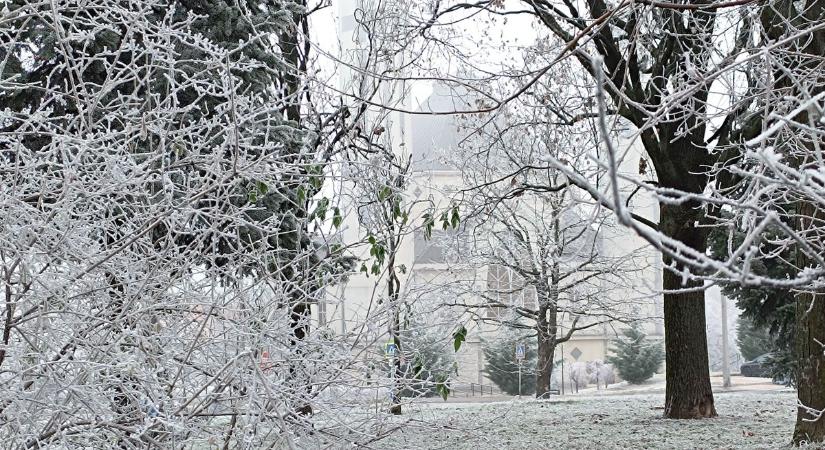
(505, 289)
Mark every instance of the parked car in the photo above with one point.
(756, 368)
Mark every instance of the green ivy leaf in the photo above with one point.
(459, 336)
(442, 387)
(384, 193)
(337, 219)
(321, 209)
(455, 219)
(302, 195)
(428, 225)
(179, 149)
(442, 390)
(396, 209)
(418, 366)
(316, 182)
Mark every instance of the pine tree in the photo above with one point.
(753, 340)
(502, 368)
(635, 358)
(767, 308)
(429, 364)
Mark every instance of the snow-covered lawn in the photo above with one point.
(762, 420)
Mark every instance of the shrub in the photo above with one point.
(634, 357)
(501, 367)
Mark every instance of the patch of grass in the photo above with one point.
(747, 420)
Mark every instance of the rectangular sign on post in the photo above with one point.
(520, 351)
(390, 349)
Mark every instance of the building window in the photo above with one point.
(506, 289)
(443, 246)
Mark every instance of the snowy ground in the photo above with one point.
(463, 393)
(755, 419)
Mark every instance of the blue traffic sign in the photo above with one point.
(521, 350)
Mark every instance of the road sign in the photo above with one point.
(390, 349)
(521, 350)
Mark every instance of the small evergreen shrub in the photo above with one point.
(634, 357)
(501, 367)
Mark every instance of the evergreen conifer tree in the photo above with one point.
(767, 311)
(502, 368)
(635, 358)
(753, 340)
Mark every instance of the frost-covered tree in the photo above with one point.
(161, 249)
(649, 63)
(545, 246)
(384, 213)
(635, 357)
(501, 365)
(726, 98)
(767, 320)
(429, 358)
(779, 177)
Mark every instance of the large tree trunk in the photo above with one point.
(547, 319)
(810, 306)
(546, 349)
(810, 350)
(810, 336)
(688, 394)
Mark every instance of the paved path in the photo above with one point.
(655, 385)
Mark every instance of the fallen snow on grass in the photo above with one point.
(762, 420)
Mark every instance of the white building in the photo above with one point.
(358, 304)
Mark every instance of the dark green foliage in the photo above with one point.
(207, 112)
(429, 367)
(257, 39)
(634, 357)
(501, 367)
(459, 336)
(753, 341)
(765, 308)
(427, 362)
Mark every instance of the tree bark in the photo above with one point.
(810, 349)
(546, 349)
(688, 393)
(810, 326)
(547, 320)
(810, 306)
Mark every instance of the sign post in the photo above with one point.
(390, 349)
(562, 369)
(725, 354)
(521, 350)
